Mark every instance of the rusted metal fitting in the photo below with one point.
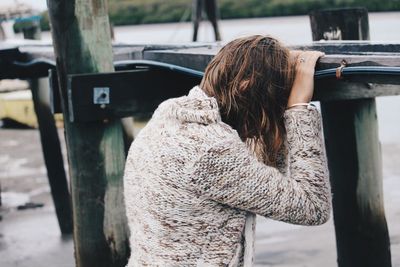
(339, 69)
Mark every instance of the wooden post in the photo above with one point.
(1, 217)
(52, 154)
(50, 144)
(128, 133)
(354, 157)
(211, 9)
(340, 24)
(2, 33)
(197, 12)
(82, 44)
(213, 16)
(32, 30)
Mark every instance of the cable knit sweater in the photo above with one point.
(192, 187)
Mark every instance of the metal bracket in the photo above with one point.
(101, 95)
(339, 70)
(137, 92)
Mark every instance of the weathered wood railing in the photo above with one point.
(30, 61)
(137, 92)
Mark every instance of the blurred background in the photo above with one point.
(29, 233)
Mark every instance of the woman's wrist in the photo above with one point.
(298, 105)
(296, 98)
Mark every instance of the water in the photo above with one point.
(291, 30)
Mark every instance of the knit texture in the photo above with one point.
(192, 187)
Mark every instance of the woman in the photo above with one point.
(244, 142)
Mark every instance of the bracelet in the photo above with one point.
(299, 104)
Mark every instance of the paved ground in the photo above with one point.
(31, 238)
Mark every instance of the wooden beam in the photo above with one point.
(198, 58)
(195, 56)
(327, 91)
(129, 93)
(52, 154)
(82, 44)
(51, 146)
(362, 47)
(332, 61)
(138, 92)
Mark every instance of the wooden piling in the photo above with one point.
(50, 143)
(212, 12)
(340, 24)
(82, 44)
(354, 157)
(211, 9)
(52, 154)
(32, 31)
(197, 10)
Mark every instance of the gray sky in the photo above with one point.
(36, 4)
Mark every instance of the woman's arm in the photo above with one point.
(228, 173)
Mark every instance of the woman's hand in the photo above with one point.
(303, 85)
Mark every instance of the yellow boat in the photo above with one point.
(18, 106)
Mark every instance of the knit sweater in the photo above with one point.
(192, 187)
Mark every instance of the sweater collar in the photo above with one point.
(196, 107)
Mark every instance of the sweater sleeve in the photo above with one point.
(229, 174)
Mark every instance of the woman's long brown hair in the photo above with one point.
(251, 79)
